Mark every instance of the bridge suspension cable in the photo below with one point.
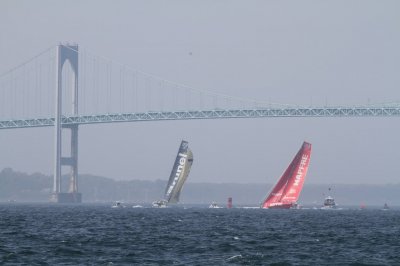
(27, 91)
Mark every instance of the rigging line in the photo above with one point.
(64, 73)
(48, 81)
(220, 94)
(39, 92)
(136, 92)
(84, 86)
(93, 87)
(68, 89)
(3, 93)
(123, 88)
(21, 98)
(174, 95)
(51, 89)
(120, 89)
(183, 85)
(97, 84)
(107, 91)
(14, 85)
(35, 90)
(110, 85)
(26, 62)
(1, 100)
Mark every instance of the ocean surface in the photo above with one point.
(44, 234)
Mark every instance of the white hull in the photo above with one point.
(159, 204)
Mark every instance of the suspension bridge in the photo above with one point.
(66, 86)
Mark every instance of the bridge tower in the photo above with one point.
(66, 52)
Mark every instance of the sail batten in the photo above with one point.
(288, 188)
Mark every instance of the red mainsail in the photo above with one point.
(286, 192)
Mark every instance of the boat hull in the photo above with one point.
(280, 207)
(283, 206)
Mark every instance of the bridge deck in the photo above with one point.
(208, 114)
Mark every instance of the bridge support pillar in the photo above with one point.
(64, 53)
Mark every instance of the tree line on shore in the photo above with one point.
(37, 187)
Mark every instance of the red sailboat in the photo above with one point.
(285, 193)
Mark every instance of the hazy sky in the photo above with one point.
(300, 52)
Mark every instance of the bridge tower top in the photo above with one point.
(69, 52)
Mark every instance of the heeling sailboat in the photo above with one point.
(179, 174)
(286, 192)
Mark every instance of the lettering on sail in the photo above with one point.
(182, 162)
(300, 171)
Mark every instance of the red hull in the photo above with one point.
(287, 190)
(283, 206)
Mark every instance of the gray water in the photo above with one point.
(101, 235)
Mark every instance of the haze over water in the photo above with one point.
(301, 53)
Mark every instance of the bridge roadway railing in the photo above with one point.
(208, 114)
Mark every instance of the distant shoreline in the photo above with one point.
(36, 187)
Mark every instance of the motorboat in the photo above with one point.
(118, 204)
(329, 203)
(385, 207)
(214, 205)
(295, 206)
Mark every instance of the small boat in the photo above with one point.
(118, 204)
(159, 204)
(214, 205)
(229, 204)
(285, 193)
(179, 174)
(296, 206)
(385, 207)
(137, 206)
(329, 203)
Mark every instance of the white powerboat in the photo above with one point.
(214, 206)
(329, 203)
(118, 204)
